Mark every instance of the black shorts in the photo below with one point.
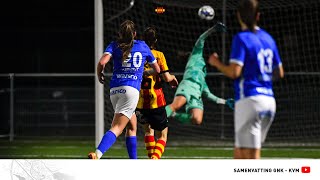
(157, 118)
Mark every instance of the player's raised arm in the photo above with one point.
(206, 93)
(170, 78)
(232, 70)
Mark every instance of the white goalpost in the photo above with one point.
(99, 45)
(99, 98)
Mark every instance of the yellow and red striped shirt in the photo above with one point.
(151, 93)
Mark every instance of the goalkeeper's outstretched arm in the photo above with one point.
(229, 102)
(212, 97)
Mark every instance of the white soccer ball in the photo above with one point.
(206, 12)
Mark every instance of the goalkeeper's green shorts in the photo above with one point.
(191, 91)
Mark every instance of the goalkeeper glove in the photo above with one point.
(230, 103)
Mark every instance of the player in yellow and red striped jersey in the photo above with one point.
(151, 106)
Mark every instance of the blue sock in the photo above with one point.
(107, 141)
(131, 143)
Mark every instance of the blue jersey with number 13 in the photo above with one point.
(258, 55)
(129, 72)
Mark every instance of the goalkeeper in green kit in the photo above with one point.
(193, 85)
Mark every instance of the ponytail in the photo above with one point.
(126, 38)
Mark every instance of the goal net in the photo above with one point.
(293, 24)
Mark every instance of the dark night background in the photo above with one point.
(47, 36)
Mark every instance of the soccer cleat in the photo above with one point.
(154, 158)
(92, 155)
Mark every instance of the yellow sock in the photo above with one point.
(158, 149)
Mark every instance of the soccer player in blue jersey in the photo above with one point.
(254, 63)
(129, 56)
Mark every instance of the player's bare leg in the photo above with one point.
(246, 153)
(177, 103)
(131, 129)
(172, 109)
(162, 135)
(196, 116)
(148, 130)
(118, 124)
(237, 153)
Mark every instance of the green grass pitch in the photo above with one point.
(76, 149)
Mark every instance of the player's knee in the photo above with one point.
(163, 137)
(175, 107)
(131, 128)
(131, 132)
(148, 131)
(196, 120)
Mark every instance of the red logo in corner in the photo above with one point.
(305, 169)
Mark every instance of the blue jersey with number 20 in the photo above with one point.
(258, 55)
(129, 72)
